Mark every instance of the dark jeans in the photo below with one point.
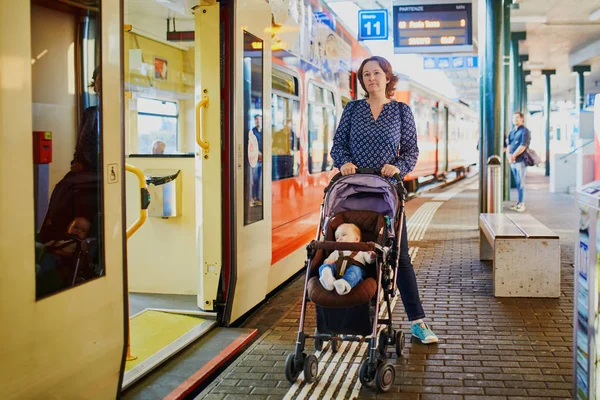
(407, 281)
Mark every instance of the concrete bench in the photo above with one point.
(526, 255)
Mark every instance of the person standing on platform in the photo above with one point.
(378, 132)
(518, 142)
(257, 170)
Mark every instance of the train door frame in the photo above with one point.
(208, 153)
(250, 258)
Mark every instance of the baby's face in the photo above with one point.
(80, 227)
(346, 234)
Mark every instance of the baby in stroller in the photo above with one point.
(349, 267)
(368, 211)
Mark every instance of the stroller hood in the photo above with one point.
(362, 192)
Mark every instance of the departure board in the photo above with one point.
(433, 28)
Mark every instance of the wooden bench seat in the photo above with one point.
(526, 255)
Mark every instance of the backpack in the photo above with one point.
(531, 157)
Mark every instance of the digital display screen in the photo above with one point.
(433, 28)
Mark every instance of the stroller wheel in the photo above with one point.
(399, 343)
(366, 379)
(318, 342)
(335, 345)
(311, 368)
(382, 341)
(291, 372)
(384, 377)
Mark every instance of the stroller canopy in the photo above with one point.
(362, 192)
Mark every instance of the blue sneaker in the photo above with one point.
(422, 332)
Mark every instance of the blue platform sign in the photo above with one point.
(455, 62)
(373, 24)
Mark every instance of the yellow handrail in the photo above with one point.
(144, 192)
(201, 143)
(133, 228)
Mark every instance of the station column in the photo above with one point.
(507, 6)
(491, 137)
(547, 97)
(579, 87)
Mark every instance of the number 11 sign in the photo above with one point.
(372, 24)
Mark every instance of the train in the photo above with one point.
(232, 107)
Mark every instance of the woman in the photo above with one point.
(379, 132)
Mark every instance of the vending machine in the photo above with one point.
(585, 321)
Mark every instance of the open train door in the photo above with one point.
(62, 291)
(236, 227)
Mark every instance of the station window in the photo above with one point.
(286, 140)
(157, 121)
(321, 128)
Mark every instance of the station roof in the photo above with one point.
(560, 34)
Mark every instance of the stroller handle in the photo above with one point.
(341, 246)
(371, 171)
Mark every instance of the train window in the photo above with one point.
(321, 128)
(329, 98)
(286, 140)
(157, 126)
(253, 131)
(285, 83)
(67, 117)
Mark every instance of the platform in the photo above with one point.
(490, 348)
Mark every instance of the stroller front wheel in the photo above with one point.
(311, 368)
(367, 378)
(384, 377)
(399, 343)
(291, 372)
(318, 342)
(335, 346)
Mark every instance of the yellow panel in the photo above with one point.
(69, 345)
(208, 165)
(162, 253)
(154, 330)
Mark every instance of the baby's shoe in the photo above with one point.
(327, 279)
(342, 286)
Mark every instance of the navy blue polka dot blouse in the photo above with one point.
(370, 143)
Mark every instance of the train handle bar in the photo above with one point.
(372, 171)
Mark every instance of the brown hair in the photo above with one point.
(385, 65)
(519, 113)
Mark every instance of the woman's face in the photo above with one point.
(374, 78)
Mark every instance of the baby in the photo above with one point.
(349, 263)
(78, 228)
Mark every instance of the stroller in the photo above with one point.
(377, 207)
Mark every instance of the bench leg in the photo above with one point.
(486, 250)
(527, 268)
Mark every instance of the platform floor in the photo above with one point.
(490, 348)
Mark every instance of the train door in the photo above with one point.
(443, 139)
(248, 188)
(62, 292)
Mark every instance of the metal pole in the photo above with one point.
(507, 107)
(579, 87)
(515, 64)
(491, 74)
(547, 97)
(524, 73)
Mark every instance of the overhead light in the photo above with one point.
(533, 65)
(539, 19)
(594, 15)
(536, 72)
